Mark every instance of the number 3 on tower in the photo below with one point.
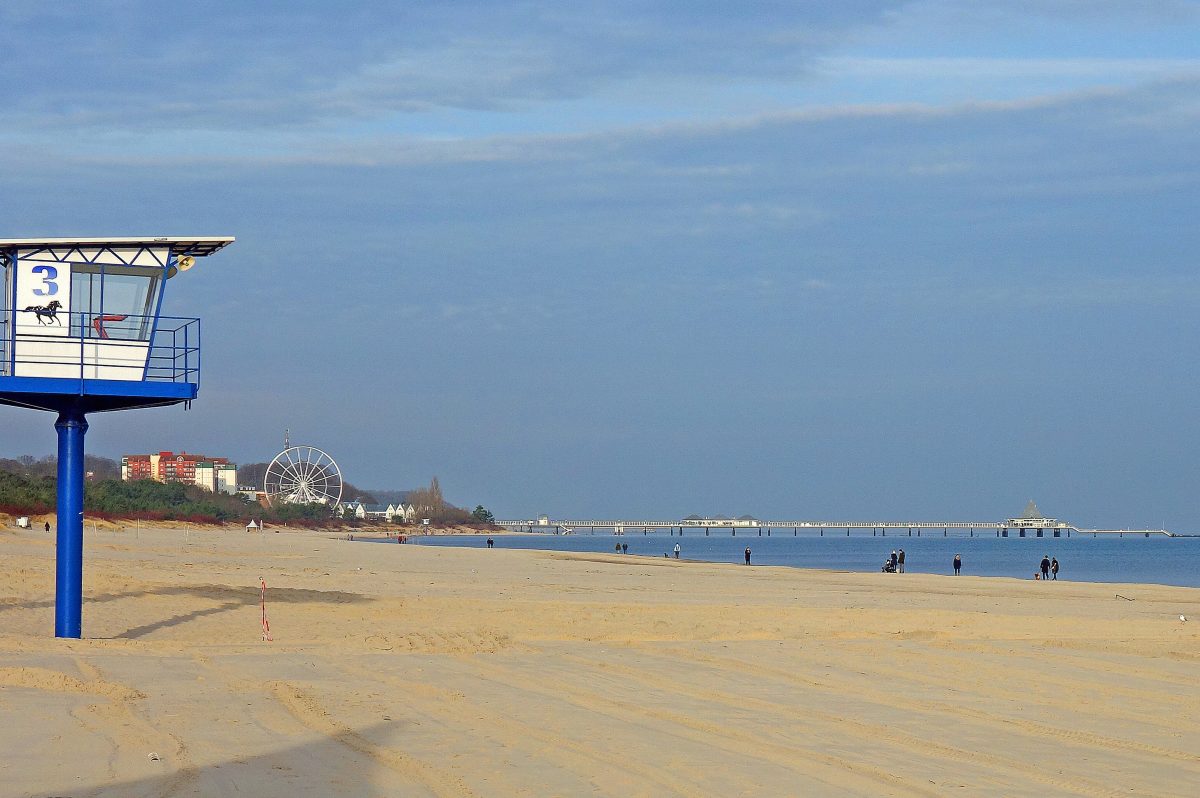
(48, 286)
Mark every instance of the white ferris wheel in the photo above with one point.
(303, 475)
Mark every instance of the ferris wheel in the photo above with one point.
(303, 475)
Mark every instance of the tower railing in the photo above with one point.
(127, 347)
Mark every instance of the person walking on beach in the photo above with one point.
(624, 548)
(1054, 568)
(747, 555)
(1045, 567)
(900, 561)
(491, 543)
(677, 551)
(957, 563)
(617, 548)
(895, 560)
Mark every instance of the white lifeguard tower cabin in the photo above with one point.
(82, 331)
(83, 318)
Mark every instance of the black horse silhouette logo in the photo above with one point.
(44, 312)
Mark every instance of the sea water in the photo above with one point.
(1157, 559)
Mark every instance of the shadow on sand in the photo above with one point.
(328, 766)
(230, 598)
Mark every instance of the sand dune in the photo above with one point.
(404, 670)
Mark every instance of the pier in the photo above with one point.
(1030, 523)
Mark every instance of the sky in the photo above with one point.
(856, 260)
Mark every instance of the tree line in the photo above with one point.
(28, 486)
(47, 466)
(31, 488)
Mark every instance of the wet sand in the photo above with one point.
(409, 670)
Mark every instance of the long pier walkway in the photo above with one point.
(1014, 527)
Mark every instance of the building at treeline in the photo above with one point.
(216, 474)
(396, 512)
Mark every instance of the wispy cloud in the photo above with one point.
(942, 292)
(234, 65)
(767, 213)
(975, 68)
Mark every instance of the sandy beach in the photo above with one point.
(401, 670)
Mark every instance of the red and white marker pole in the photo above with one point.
(265, 623)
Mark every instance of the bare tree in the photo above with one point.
(429, 503)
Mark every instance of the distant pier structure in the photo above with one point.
(1030, 523)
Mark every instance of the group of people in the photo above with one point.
(1048, 568)
(623, 548)
(895, 563)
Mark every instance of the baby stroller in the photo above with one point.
(889, 567)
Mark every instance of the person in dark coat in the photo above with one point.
(747, 555)
(1046, 567)
(957, 563)
(900, 561)
(1054, 567)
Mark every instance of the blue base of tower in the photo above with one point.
(92, 396)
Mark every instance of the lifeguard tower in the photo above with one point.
(82, 332)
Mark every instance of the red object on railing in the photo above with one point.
(98, 323)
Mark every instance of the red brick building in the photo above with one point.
(136, 466)
(181, 467)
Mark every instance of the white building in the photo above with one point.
(217, 477)
(400, 512)
(1033, 519)
(397, 512)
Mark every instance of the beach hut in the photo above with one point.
(82, 331)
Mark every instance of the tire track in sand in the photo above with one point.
(184, 770)
(843, 776)
(309, 712)
(583, 756)
(930, 705)
(1001, 766)
(114, 720)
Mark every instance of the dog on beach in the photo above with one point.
(44, 312)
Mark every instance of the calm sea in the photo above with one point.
(1156, 559)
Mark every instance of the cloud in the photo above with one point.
(767, 213)
(129, 65)
(1156, 11)
(976, 67)
(957, 15)
(944, 290)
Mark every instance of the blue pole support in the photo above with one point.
(68, 588)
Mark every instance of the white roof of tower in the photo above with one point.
(196, 246)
